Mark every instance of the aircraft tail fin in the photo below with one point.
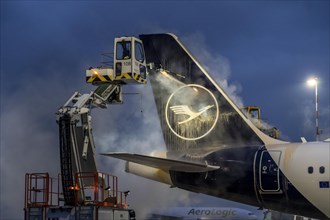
(195, 112)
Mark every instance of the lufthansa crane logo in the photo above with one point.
(191, 112)
(185, 110)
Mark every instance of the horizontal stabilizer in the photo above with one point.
(163, 163)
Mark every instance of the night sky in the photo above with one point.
(263, 51)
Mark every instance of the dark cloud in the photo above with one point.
(262, 52)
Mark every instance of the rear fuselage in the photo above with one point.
(250, 175)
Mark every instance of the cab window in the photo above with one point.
(123, 50)
(139, 55)
(254, 113)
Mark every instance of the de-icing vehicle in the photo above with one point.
(81, 191)
(253, 113)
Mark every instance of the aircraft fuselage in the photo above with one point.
(250, 175)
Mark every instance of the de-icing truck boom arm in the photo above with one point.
(77, 147)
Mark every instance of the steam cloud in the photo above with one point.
(135, 128)
(114, 131)
(29, 140)
(217, 65)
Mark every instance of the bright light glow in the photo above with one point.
(73, 188)
(95, 72)
(312, 82)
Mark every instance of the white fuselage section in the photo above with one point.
(306, 165)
